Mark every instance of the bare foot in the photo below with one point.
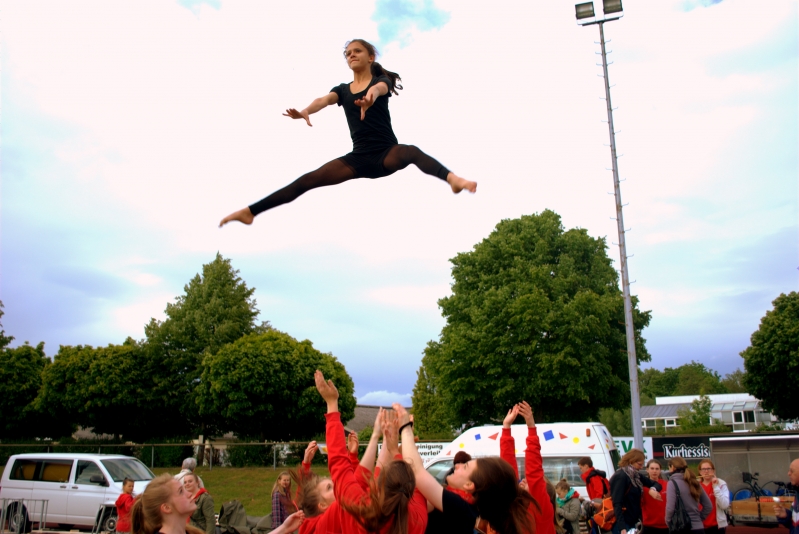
(458, 184)
(243, 216)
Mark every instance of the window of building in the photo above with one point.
(671, 422)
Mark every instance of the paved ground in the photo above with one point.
(755, 530)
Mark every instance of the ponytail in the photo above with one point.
(681, 466)
(389, 499)
(377, 68)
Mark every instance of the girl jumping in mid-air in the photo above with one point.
(375, 150)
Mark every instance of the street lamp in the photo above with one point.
(613, 10)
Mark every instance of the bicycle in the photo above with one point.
(755, 490)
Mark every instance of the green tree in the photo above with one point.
(688, 379)
(431, 414)
(4, 339)
(100, 388)
(536, 313)
(698, 415)
(20, 380)
(772, 357)
(262, 386)
(619, 422)
(734, 382)
(216, 309)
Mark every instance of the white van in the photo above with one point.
(75, 486)
(562, 445)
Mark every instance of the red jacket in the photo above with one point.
(654, 512)
(598, 486)
(349, 489)
(534, 473)
(124, 504)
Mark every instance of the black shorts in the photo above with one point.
(368, 164)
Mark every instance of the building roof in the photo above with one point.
(721, 398)
(663, 411)
(364, 416)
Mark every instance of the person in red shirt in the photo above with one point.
(596, 482)
(653, 511)
(391, 504)
(719, 495)
(124, 504)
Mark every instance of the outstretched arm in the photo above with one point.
(377, 90)
(318, 104)
(425, 483)
(368, 460)
(291, 523)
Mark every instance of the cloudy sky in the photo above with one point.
(130, 128)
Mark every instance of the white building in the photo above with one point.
(741, 411)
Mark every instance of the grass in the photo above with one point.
(252, 486)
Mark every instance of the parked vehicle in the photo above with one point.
(75, 486)
(562, 445)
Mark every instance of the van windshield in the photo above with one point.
(127, 467)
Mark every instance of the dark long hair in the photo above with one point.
(681, 466)
(499, 499)
(377, 68)
(388, 500)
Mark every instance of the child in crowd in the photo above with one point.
(568, 502)
(124, 504)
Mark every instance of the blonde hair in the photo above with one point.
(145, 516)
(285, 495)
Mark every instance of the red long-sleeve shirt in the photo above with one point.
(348, 489)
(653, 511)
(534, 472)
(124, 504)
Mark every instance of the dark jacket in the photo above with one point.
(792, 519)
(691, 506)
(627, 498)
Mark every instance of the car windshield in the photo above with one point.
(127, 467)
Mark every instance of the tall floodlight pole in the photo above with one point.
(585, 17)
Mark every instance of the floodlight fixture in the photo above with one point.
(584, 10)
(611, 6)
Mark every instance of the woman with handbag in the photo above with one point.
(683, 500)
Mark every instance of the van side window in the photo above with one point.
(55, 470)
(23, 470)
(563, 467)
(86, 470)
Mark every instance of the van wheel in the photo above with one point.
(18, 518)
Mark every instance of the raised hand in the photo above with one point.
(513, 413)
(365, 103)
(527, 412)
(391, 434)
(352, 443)
(310, 451)
(402, 414)
(294, 114)
(327, 390)
(378, 426)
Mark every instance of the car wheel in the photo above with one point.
(109, 521)
(18, 518)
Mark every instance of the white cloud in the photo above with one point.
(384, 398)
(412, 297)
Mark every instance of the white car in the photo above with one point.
(75, 486)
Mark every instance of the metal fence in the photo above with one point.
(17, 514)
